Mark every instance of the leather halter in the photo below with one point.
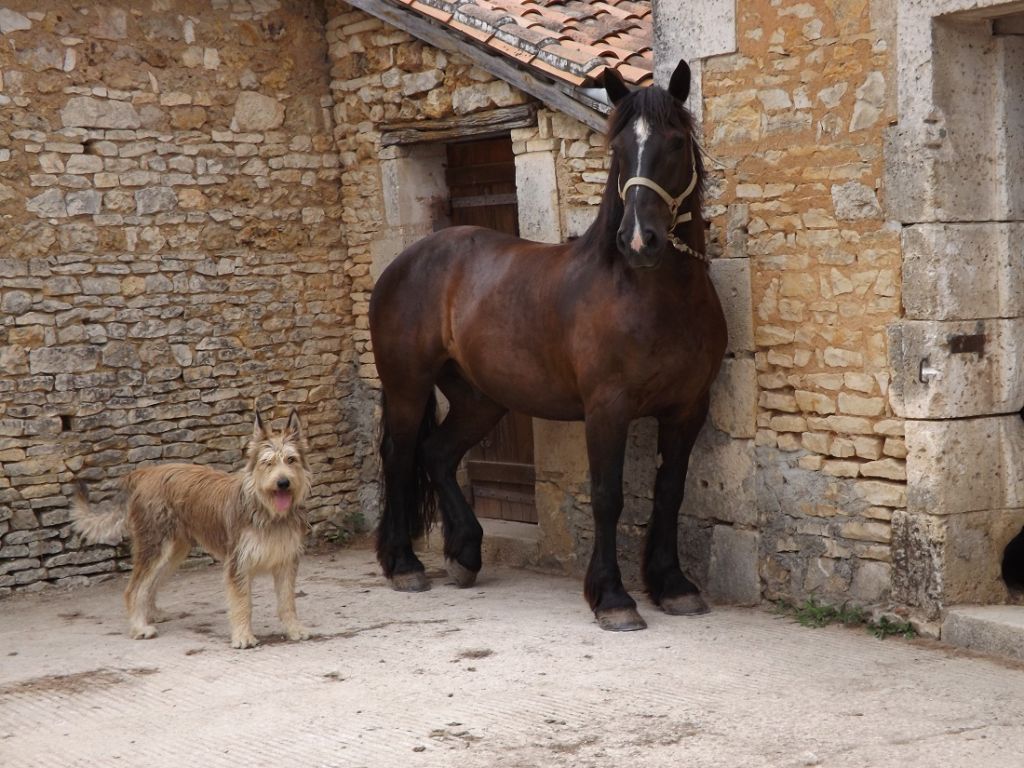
(673, 204)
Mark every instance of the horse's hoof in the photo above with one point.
(684, 605)
(460, 574)
(621, 620)
(414, 581)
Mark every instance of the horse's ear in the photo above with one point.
(679, 85)
(614, 85)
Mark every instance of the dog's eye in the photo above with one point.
(291, 459)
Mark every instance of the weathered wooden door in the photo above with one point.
(482, 183)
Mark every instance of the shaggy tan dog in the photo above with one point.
(252, 520)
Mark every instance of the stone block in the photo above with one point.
(86, 201)
(948, 560)
(155, 199)
(420, 82)
(853, 201)
(414, 187)
(578, 219)
(70, 359)
(733, 567)
(734, 398)
(91, 112)
(963, 271)
(872, 582)
(732, 282)
(966, 465)
(560, 451)
(991, 629)
(49, 204)
(720, 484)
(538, 210)
(256, 112)
(944, 370)
(12, 21)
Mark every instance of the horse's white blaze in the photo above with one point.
(643, 131)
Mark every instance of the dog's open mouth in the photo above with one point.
(283, 500)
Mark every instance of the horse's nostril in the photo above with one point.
(283, 483)
(649, 237)
(621, 240)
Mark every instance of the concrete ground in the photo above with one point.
(513, 672)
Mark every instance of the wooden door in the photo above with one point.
(482, 183)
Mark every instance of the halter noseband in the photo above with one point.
(673, 204)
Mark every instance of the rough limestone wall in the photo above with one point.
(170, 248)
(381, 74)
(796, 118)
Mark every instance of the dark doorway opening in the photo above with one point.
(1013, 564)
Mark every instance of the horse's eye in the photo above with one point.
(676, 143)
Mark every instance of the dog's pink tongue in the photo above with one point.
(282, 500)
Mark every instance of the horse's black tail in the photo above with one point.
(420, 488)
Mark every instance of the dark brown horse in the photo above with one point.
(622, 323)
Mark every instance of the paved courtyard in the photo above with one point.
(512, 672)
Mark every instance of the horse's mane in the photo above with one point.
(662, 111)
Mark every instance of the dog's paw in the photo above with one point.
(144, 632)
(297, 632)
(244, 641)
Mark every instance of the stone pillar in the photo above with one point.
(719, 530)
(415, 196)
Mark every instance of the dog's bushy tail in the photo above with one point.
(420, 488)
(106, 525)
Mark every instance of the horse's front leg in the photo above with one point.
(606, 428)
(664, 579)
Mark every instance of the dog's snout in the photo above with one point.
(283, 483)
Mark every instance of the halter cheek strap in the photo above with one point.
(673, 204)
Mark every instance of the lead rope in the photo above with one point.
(673, 205)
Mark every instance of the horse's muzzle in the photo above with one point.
(644, 253)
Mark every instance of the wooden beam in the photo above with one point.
(478, 126)
(544, 90)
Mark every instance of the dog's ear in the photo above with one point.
(293, 429)
(259, 429)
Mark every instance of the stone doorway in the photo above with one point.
(956, 184)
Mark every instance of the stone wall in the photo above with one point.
(171, 247)
(795, 119)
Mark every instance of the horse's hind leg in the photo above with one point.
(407, 501)
(663, 577)
(471, 416)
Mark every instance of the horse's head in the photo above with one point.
(658, 164)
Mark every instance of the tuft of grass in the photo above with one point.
(815, 614)
(886, 627)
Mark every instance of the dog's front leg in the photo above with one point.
(284, 585)
(239, 588)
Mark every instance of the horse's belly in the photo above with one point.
(524, 385)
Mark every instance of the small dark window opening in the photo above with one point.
(1013, 564)
(65, 423)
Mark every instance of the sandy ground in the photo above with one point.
(513, 672)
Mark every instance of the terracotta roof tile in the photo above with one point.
(570, 40)
(436, 13)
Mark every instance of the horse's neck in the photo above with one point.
(599, 239)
